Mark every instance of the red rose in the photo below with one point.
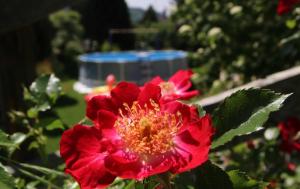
(136, 135)
(290, 134)
(285, 6)
(177, 87)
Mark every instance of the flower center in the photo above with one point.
(167, 88)
(147, 130)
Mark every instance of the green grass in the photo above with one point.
(71, 107)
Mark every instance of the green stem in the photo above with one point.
(34, 167)
(39, 178)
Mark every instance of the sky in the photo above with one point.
(158, 5)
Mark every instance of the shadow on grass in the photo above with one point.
(66, 100)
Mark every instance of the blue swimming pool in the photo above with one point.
(136, 66)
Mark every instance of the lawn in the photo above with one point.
(70, 109)
(71, 106)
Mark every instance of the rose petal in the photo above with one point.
(174, 107)
(188, 95)
(156, 80)
(125, 92)
(192, 145)
(106, 122)
(81, 148)
(123, 164)
(98, 103)
(150, 91)
(129, 166)
(181, 79)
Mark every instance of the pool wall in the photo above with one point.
(93, 72)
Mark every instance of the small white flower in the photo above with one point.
(214, 31)
(235, 10)
(184, 29)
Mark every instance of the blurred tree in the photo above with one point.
(98, 17)
(67, 42)
(149, 17)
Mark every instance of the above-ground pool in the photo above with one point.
(135, 66)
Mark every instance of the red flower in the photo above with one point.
(291, 166)
(290, 134)
(285, 6)
(177, 86)
(136, 135)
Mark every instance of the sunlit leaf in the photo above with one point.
(56, 124)
(244, 112)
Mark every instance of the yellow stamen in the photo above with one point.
(167, 88)
(147, 131)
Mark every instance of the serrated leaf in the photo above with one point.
(6, 180)
(208, 176)
(4, 140)
(244, 112)
(241, 181)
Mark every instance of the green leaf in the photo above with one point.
(44, 91)
(210, 176)
(6, 180)
(207, 176)
(54, 88)
(201, 111)
(33, 145)
(17, 139)
(4, 140)
(56, 124)
(241, 181)
(33, 112)
(243, 113)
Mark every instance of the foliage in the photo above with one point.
(232, 42)
(67, 42)
(40, 97)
